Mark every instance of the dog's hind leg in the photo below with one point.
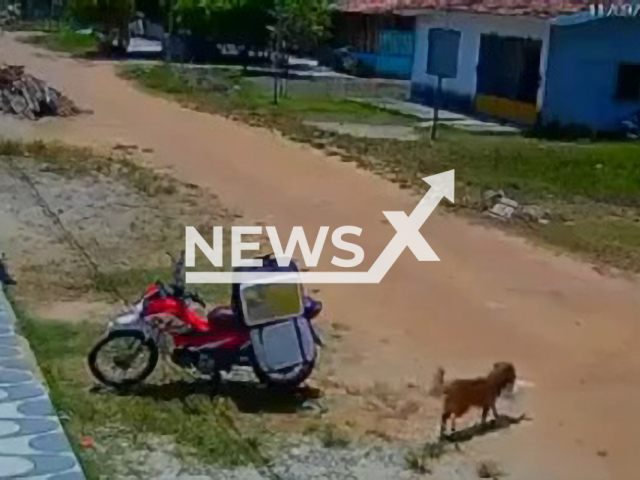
(485, 411)
(443, 424)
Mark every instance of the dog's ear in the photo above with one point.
(505, 366)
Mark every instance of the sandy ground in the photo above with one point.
(570, 331)
(51, 221)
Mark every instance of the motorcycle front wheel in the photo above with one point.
(123, 358)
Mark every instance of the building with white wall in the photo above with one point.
(501, 63)
(554, 63)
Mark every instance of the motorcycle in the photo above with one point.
(267, 327)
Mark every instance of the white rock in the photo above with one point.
(501, 211)
(492, 196)
(531, 213)
(508, 202)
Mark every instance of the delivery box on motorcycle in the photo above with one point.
(274, 312)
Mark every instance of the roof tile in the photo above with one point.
(540, 8)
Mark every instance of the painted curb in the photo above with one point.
(32, 441)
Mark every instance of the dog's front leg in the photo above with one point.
(485, 411)
(443, 424)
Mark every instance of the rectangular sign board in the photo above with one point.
(442, 60)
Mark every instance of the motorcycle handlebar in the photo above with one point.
(196, 298)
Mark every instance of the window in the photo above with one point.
(628, 88)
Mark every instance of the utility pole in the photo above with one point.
(436, 109)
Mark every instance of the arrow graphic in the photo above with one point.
(407, 236)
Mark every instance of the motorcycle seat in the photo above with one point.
(221, 316)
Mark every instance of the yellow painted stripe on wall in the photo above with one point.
(519, 112)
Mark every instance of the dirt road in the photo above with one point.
(570, 331)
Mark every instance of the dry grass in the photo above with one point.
(421, 460)
(489, 469)
(64, 40)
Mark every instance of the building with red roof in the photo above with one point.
(557, 63)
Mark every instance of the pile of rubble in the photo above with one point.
(10, 15)
(499, 206)
(24, 95)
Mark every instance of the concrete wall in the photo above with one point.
(583, 69)
(460, 92)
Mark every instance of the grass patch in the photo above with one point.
(29, 26)
(608, 239)
(420, 460)
(489, 469)
(46, 150)
(604, 175)
(202, 427)
(524, 168)
(71, 161)
(219, 91)
(333, 437)
(130, 282)
(65, 40)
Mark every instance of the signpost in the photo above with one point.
(442, 62)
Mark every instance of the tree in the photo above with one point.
(298, 27)
(233, 21)
(112, 16)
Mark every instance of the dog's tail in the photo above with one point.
(437, 384)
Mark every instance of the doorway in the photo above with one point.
(508, 77)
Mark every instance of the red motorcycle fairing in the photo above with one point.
(217, 330)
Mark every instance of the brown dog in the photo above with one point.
(460, 395)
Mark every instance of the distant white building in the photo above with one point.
(558, 63)
(501, 64)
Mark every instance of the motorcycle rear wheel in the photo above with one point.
(137, 338)
(288, 380)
